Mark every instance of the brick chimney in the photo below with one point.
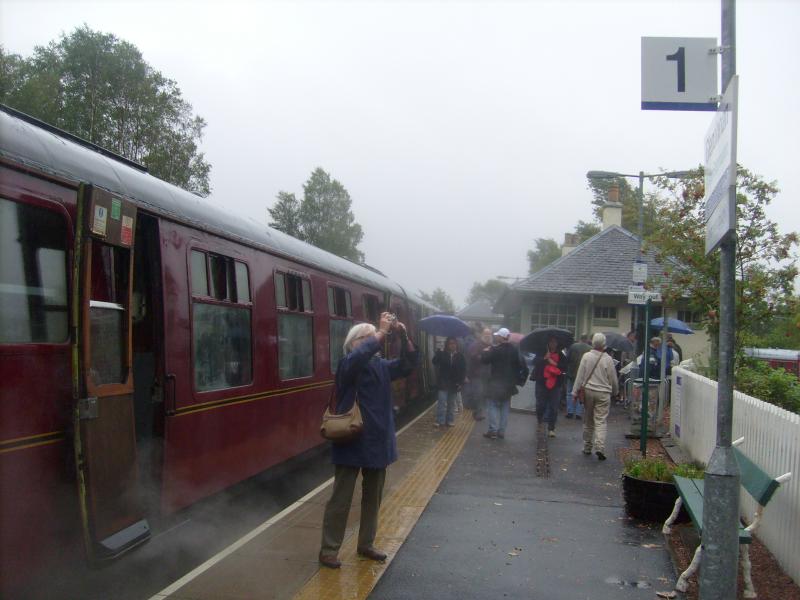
(570, 242)
(612, 209)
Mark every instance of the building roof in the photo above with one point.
(601, 265)
(480, 310)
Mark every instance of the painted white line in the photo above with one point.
(174, 587)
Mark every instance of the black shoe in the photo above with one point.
(372, 554)
(330, 561)
(578, 417)
(491, 435)
(501, 435)
(600, 455)
(570, 416)
(587, 452)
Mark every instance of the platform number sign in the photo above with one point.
(679, 73)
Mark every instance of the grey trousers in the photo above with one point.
(595, 417)
(338, 508)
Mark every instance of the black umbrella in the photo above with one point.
(617, 341)
(536, 340)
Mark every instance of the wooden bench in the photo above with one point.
(690, 494)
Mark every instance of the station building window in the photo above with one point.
(221, 322)
(33, 274)
(690, 316)
(551, 314)
(340, 310)
(295, 325)
(606, 315)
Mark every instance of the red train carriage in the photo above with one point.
(154, 349)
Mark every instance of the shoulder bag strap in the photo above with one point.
(332, 399)
(593, 368)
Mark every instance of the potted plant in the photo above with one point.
(648, 488)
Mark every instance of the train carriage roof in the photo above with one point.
(37, 145)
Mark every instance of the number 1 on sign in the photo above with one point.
(680, 57)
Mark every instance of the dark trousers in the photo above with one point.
(338, 508)
(547, 402)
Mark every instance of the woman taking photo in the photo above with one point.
(364, 373)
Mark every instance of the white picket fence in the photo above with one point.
(771, 440)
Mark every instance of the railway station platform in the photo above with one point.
(463, 517)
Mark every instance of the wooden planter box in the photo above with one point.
(650, 500)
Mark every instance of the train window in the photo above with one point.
(339, 304)
(228, 278)
(372, 310)
(199, 274)
(33, 274)
(338, 333)
(242, 283)
(222, 346)
(295, 346)
(222, 337)
(107, 322)
(293, 292)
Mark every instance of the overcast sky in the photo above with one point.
(462, 130)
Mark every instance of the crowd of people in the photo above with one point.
(482, 374)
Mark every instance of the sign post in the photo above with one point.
(679, 73)
(720, 169)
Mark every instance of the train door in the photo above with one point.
(104, 420)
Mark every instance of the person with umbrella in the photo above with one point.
(549, 369)
(451, 369)
(506, 364)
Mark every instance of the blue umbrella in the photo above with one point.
(675, 326)
(445, 326)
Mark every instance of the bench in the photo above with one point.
(690, 494)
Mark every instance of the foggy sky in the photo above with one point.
(462, 130)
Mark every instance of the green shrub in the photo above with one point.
(657, 469)
(756, 378)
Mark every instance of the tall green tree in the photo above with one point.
(547, 250)
(100, 88)
(490, 290)
(766, 261)
(286, 214)
(440, 299)
(586, 230)
(323, 218)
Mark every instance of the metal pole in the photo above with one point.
(662, 386)
(721, 499)
(640, 228)
(645, 381)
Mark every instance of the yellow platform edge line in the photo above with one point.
(398, 515)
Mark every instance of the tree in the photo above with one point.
(586, 230)
(547, 251)
(765, 261)
(490, 291)
(99, 87)
(286, 213)
(440, 299)
(323, 218)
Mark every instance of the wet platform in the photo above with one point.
(462, 517)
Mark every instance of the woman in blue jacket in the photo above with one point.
(365, 372)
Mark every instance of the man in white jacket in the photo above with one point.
(598, 379)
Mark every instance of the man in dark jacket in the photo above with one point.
(451, 369)
(506, 364)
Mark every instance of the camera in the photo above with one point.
(392, 317)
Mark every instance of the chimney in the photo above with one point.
(570, 242)
(612, 209)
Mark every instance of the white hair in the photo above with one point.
(357, 331)
(598, 341)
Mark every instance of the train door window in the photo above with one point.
(33, 274)
(221, 322)
(295, 326)
(371, 309)
(340, 310)
(107, 316)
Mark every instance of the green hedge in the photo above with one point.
(756, 378)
